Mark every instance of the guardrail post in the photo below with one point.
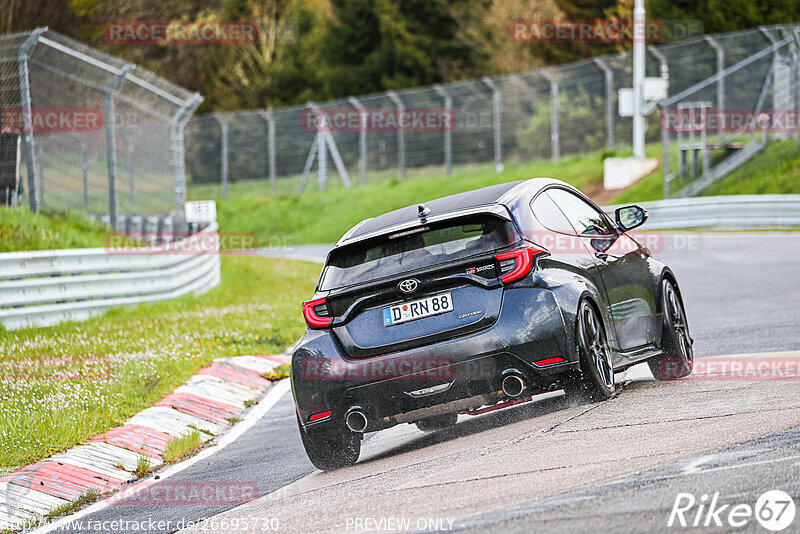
(111, 140)
(401, 139)
(176, 132)
(555, 143)
(224, 138)
(608, 76)
(25, 104)
(270, 120)
(497, 109)
(362, 138)
(720, 79)
(448, 147)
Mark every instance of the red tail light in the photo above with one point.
(316, 313)
(517, 263)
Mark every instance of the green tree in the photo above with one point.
(374, 45)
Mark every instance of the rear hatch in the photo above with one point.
(418, 286)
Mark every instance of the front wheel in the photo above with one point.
(677, 359)
(595, 380)
(330, 447)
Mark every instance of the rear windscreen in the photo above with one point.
(421, 247)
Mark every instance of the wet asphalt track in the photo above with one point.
(550, 466)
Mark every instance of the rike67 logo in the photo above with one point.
(774, 510)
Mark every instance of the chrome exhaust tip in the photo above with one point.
(356, 420)
(513, 385)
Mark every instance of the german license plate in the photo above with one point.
(417, 309)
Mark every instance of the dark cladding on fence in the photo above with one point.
(544, 113)
(84, 130)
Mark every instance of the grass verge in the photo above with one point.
(22, 230)
(322, 217)
(774, 171)
(62, 384)
(183, 446)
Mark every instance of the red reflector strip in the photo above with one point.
(549, 361)
(318, 416)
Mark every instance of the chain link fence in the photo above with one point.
(543, 113)
(84, 130)
(719, 123)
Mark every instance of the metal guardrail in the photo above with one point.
(736, 212)
(42, 288)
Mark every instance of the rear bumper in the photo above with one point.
(453, 375)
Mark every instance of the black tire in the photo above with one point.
(437, 422)
(595, 381)
(329, 447)
(677, 358)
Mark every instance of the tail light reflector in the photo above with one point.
(319, 416)
(316, 313)
(549, 361)
(517, 263)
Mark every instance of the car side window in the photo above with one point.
(550, 216)
(583, 216)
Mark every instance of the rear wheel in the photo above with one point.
(596, 378)
(330, 447)
(677, 360)
(438, 422)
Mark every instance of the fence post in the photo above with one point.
(401, 139)
(85, 171)
(796, 60)
(665, 156)
(448, 145)
(131, 148)
(555, 143)
(663, 67)
(270, 120)
(608, 76)
(25, 104)
(720, 79)
(40, 173)
(176, 132)
(111, 140)
(362, 138)
(497, 105)
(224, 137)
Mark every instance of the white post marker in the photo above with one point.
(201, 211)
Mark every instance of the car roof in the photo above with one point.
(504, 194)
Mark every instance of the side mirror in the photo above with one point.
(630, 217)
